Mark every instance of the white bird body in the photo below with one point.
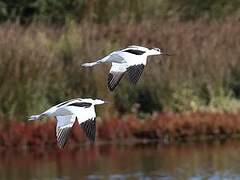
(67, 112)
(131, 59)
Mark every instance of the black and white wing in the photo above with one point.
(115, 75)
(89, 128)
(135, 68)
(136, 60)
(86, 116)
(135, 72)
(63, 129)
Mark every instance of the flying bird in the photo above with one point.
(67, 112)
(132, 60)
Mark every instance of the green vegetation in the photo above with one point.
(44, 42)
(40, 66)
(104, 11)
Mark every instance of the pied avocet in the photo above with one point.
(131, 59)
(66, 114)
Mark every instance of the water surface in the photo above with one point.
(200, 160)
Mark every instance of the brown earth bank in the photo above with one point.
(163, 127)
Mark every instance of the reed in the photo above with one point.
(40, 66)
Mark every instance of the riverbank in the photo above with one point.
(162, 127)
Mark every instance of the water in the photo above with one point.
(202, 160)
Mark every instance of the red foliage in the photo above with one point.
(161, 126)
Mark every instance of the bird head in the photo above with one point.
(99, 101)
(157, 51)
(154, 51)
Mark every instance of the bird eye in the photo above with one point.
(157, 49)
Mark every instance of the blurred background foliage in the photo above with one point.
(104, 11)
(43, 43)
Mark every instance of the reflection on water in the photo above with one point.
(212, 160)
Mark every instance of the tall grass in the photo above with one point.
(40, 66)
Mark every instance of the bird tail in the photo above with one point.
(89, 64)
(33, 117)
